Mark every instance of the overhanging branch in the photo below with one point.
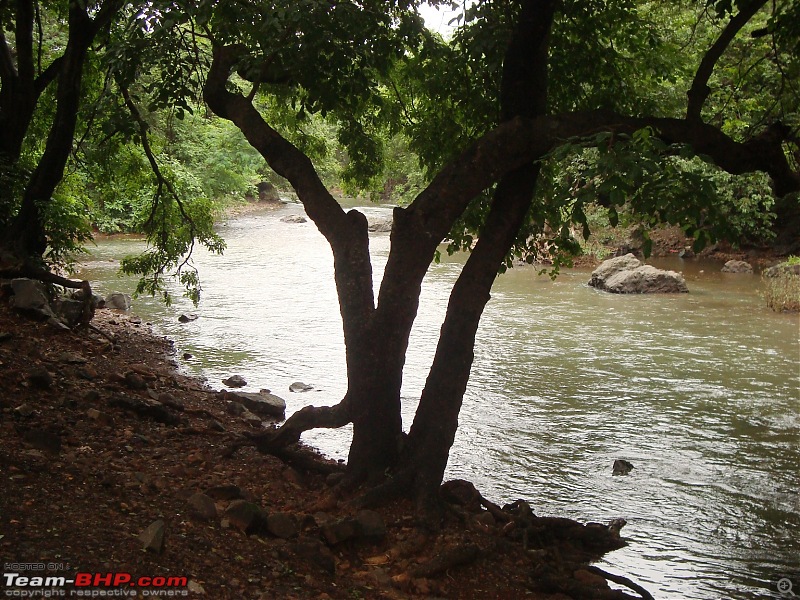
(699, 91)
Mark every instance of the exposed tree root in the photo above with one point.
(621, 581)
(11, 267)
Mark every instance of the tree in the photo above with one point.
(52, 56)
(523, 125)
(491, 114)
(23, 81)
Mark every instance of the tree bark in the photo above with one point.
(523, 93)
(372, 401)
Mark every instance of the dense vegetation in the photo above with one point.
(504, 141)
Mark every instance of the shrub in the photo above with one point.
(782, 286)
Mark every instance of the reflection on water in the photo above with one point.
(699, 391)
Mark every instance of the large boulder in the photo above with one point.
(31, 295)
(784, 269)
(119, 301)
(380, 226)
(268, 193)
(627, 275)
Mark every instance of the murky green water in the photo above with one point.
(698, 391)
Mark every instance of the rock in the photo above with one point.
(339, 531)
(225, 492)
(281, 525)
(188, 318)
(245, 516)
(202, 507)
(100, 417)
(267, 193)
(262, 403)
(71, 358)
(69, 311)
(622, 467)
(250, 418)
(737, 266)
(187, 356)
(687, 252)
(97, 300)
(370, 524)
(783, 269)
(135, 381)
(627, 275)
(367, 524)
(89, 373)
(24, 410)
(195, 588)
(152, 538)
(294, 219)
(40, 377)
(235, 409)
(146, 408)
(171, 401)
(380, 226)
(235, 381)
(119, 301)
(31, 295)
(299, 386)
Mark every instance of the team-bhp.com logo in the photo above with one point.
(92, 585)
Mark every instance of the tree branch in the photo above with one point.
(47, 76)
(23, 40)
(699, 91)
(7, 69)
(346, 232)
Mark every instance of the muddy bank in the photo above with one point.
(112, 461)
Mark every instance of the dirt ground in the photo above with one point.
(111, 461)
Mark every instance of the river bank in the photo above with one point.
(109, 458)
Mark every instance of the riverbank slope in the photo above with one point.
(105, 448)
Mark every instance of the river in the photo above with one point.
(699, 391)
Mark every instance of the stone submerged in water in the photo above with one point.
(299, 386)
(627, 275)
(622, 467)
(737, 266)
(294, 219)
(235, 381)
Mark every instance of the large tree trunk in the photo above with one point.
(436, 421)
(523, 93)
